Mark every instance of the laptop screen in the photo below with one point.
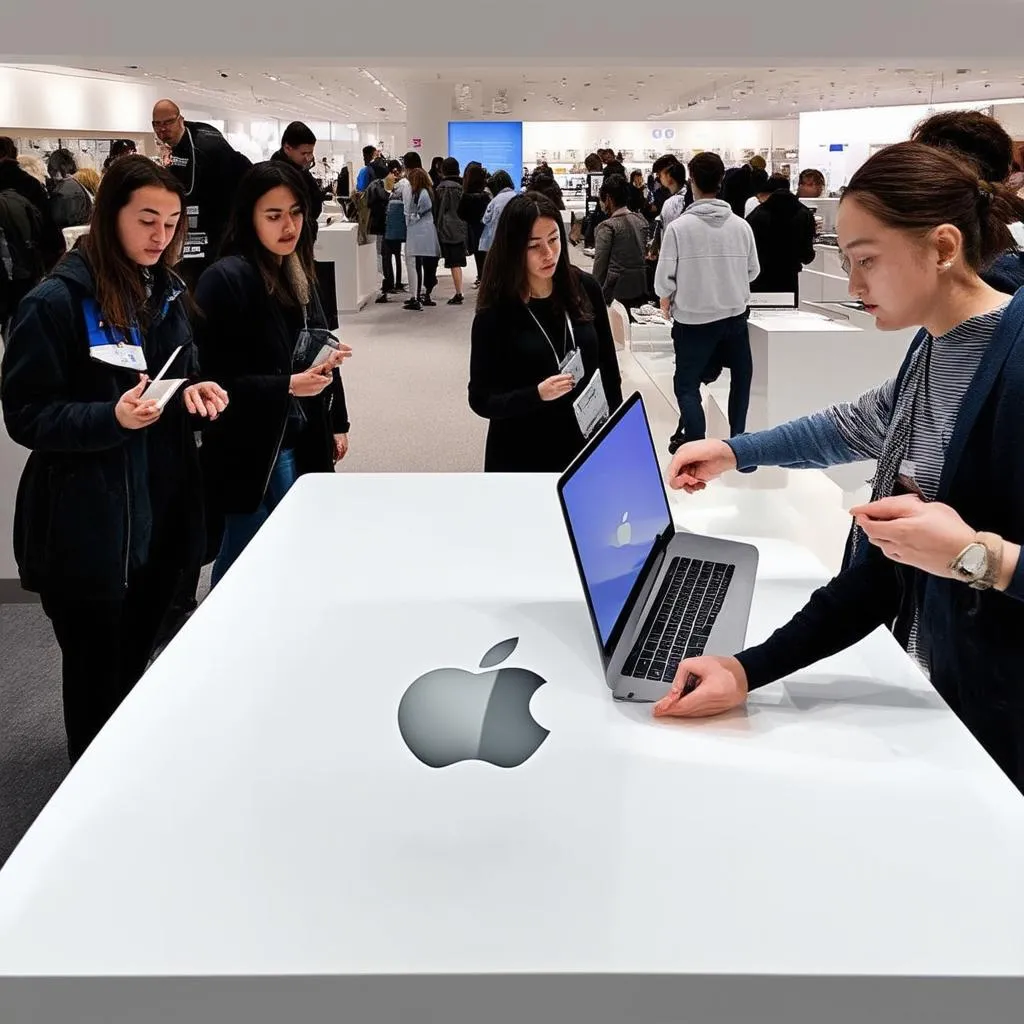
(616, 508)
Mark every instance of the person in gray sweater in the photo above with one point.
(620, 243)
(708, 259)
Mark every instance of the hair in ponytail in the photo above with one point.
(916, 188)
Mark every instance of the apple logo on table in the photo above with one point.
(450, 715)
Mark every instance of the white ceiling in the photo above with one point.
(315, 90)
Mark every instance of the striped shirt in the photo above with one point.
(950, 362)
(942, 370)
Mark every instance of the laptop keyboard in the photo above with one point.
(681, 619)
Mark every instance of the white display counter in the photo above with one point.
(804, 360)
(824, 280)
(251, 839)
(356, 277)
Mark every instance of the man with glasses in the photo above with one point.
(209, 170)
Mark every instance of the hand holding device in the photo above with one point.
(704, 687)
(311, 382)
(927, 535)
(555, 387)
(698, 463)
(133, 411)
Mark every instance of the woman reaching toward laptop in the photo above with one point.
(935, 555)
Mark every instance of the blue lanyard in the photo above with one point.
(101, 333)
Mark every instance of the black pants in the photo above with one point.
(590, 224)
(425, 268)
(391, 262)
(725, 342)
(105, 646)
(478, 258)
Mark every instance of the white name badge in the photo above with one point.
(591, 407)
(127, 357)
(572, 364)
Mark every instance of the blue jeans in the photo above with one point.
(726, 342)
(241, 527)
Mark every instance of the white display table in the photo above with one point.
(355, 266)
(824, 280)
(250, 838)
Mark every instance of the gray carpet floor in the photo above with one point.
(406, 391)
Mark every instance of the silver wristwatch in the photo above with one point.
(978, 564)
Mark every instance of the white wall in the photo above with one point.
(860, 131)
(1012, 117)
(40, 100)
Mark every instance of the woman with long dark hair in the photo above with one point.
(935, 555)
(472, 207)
(257, 303)
(109, 517)
(436, 171)
(540, 335)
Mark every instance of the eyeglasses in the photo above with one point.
(157, 125)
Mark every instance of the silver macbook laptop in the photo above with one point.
(655, 596)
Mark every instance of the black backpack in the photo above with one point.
(21, 262)
(377, 198)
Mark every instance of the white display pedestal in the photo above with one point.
(355, 266)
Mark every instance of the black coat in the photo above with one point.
(14, 177)
(510, 357)
(94, 497)
(313, 190)
(784, 235)
(246, 340)
(209, 170)
(472, 207)
(738, 187)
(70, 203)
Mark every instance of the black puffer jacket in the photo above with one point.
(70, 204)
(95, 498)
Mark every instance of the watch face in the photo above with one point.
(974, 560)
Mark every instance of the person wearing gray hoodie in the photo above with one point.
(708, 259)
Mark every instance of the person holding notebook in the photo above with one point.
(542, 350)
(256, 302)
(109, 516)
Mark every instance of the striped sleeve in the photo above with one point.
(864, 423)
